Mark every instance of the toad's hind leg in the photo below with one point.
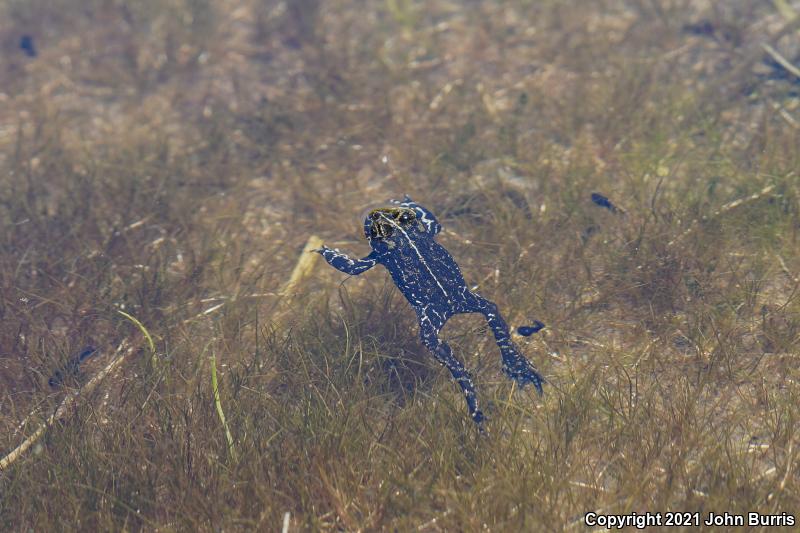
(515, 365)
(429, 334)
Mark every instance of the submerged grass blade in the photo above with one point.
(782, 61)
(144, 331)
(220, 412)
(786, 10)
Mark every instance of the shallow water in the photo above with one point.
(172, 159)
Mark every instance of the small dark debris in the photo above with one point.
(527, 331)
(722, 32)
(703, 28)
(477, 205)
(71, 368)
(292, 42)
(682, 343)
(27, 45)
(603, 201)
(776, 71)
(587, 233)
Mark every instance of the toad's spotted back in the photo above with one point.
(402, 240)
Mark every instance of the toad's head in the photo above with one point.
(388, 224)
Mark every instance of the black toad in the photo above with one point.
(402, 240)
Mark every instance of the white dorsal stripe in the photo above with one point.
(419, 254)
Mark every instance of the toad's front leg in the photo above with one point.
(343, 263)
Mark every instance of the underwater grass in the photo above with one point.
(218, 404)
(178, 160)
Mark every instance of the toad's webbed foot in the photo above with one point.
(522, 371)
(515, 365)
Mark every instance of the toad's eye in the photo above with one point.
(405, 218)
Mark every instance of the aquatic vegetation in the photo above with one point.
(164, 164)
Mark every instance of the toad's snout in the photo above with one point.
(381, 229)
